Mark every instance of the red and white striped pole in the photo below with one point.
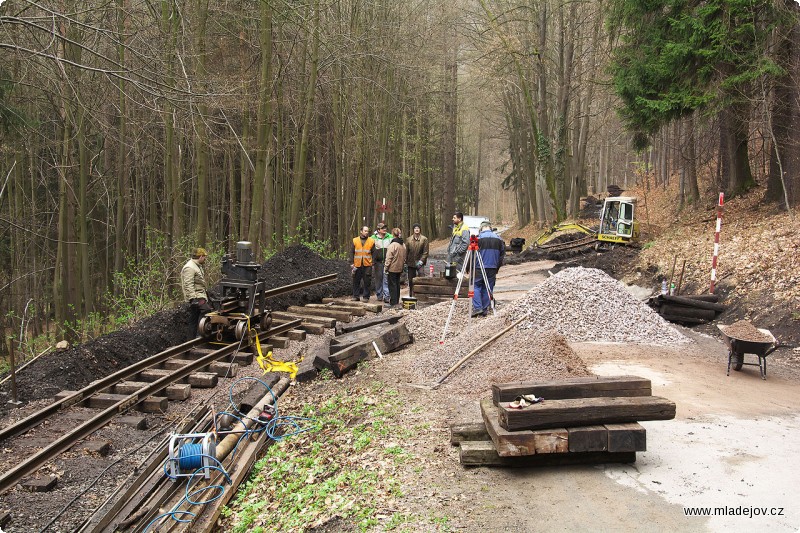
(716, 243)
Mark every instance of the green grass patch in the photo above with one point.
(343, 469)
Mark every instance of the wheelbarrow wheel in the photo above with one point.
(737, 360)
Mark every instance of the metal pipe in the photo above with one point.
(227, 444)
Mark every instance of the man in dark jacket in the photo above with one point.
(417, 249)
(492, 250)
(459, 242)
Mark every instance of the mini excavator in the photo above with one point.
(617, 226)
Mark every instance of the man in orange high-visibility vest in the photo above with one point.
(361, 261)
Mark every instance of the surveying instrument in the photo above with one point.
(471, 259)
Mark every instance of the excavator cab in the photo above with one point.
(617, 223)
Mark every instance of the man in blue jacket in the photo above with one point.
(492, 250)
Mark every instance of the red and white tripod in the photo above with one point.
(471, 259)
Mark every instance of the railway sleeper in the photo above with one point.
(178, 392)
(103, 400)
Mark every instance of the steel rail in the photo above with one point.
(66, 441)
(270, 293)
(40, 416)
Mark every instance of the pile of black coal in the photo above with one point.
(300, 263)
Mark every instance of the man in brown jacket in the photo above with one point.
(395, 261)
(417, 248)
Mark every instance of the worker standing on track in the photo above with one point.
(492, 250)
(193, 285)
(361, 261)
(459, 242)
(395, 261)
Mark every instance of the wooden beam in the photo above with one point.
(582, 387)
(483, 453)
(626, 437)
(281, 317)
(586, 412)
(464, 431)
(355, 311)
(341, 316)
(588, 439)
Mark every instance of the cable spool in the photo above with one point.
(191, 452)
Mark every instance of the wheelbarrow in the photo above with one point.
(738, 347)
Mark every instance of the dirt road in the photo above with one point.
(732, 448)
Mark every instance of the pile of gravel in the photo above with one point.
(518, 355)
(585, 304)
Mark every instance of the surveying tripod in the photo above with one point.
(470, 259)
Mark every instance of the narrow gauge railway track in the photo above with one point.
(12, 476)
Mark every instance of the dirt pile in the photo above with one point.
(76, 367)
(585, 304)
(517, 355)
(299, 263)
(746, 331)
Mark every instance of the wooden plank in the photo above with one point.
(136, 422)
(387, 341)
(99, 447)
(306, 371)
(281, 317)
(361, 335)
(588, 439)
(693, 302)
(483, 453)
(554, 440)
(341, 316)
(507, 443)
(464, 431)
(177, 392)
(151, 404)
(203, 380)
(683, 319)
(355, 311)
(440, 291)
(421, 281)
(581, 387)
(296, 335)
(586, 412)
(687, 312)
(224, 370)
(175, 364)
(626, 437)
(321, 359)
(278, 342)
(356, 354)
(39, 484)
(312, 329)
(366, 323)
(373, 308)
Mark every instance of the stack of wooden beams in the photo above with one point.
(585, 420)
(362, 340)
(688, 310)
(437, 290)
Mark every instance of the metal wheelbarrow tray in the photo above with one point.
(738, 347)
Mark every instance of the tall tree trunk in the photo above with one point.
(298, 181)
(262, 181)
(733, 149)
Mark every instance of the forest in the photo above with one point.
(132, 131)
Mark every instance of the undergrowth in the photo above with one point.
(343, 471)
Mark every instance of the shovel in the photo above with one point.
(461, 361)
